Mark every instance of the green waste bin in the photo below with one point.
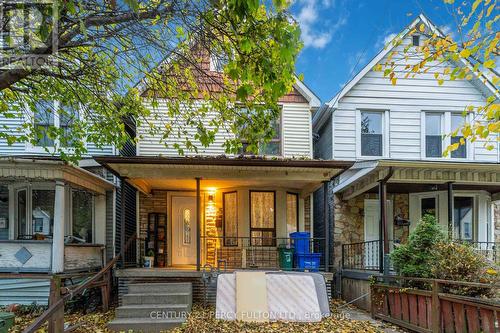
(286, 258)
(6, 321)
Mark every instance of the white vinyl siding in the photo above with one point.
(21, 148)
(296, 134)
(405, 101)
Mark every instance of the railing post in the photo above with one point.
(56, 321)
(436, 307)
(343, 256)
(198, 224)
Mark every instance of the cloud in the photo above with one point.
(384, 40)
(308, 19)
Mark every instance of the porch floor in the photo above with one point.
(177, 272)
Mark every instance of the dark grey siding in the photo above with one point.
(323, 143)
(109, 225)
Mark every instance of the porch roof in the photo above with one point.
(178, 173)
(50, 168)
(363, 176)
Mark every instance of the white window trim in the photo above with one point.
(385, 134)
(57, 123)
(445, 130)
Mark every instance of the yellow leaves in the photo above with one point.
(421, 28)
(491, 271)
(394, 81)
(490, 9)
(465, 53)
(377, 67)
(489, 64)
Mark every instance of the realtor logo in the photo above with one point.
(28, 33)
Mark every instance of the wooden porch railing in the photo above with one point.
(55, 313)
(434, 311)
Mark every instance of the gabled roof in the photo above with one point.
(482, 80)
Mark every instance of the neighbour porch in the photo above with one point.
(389, 198)
(52, 217)
(223, 213)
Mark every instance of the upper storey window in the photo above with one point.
(416, 40)
(372, 133)
(433, 134)
(49, 117)
(271, 148)
(44, 120)
(217, 63)
(458, 121)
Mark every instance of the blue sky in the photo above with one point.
(341, 36)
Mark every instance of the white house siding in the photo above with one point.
(405, 102)
(297, 138)
(13, 127)
(296, 128)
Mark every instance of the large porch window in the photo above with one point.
(82, 215)
(4, 212)
(230, 213)
(292, 213)
(262, 218)
(463, 210)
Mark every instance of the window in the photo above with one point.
(21, 212)
(44, 119)
(463, 210)
(416, 40)
(371, 133)
(230, 209)
(4, 212)
(458, 121)
(262, 218)
(428, 206)
(273, 147)
(186, 226)
(433, 135)
(42, 203)
(67, 119)
(292, 213)
(82, 215)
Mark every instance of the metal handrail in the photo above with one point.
(78, 290)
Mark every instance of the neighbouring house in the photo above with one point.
(211, 210)
(55, 217)
(395, 135)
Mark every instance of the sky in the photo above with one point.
(341, 36)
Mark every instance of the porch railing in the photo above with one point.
(252, 252)
(366, 256)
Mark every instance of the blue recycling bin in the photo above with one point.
(301, 242)
(307, 261)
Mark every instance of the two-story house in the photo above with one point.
(396, 136)
(231, 211)
(55, 217)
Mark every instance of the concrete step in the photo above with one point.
(158, 298)
(155, 288)
(143, 325)
(153, 311)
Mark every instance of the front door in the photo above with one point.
(183, 230)
(372, 228)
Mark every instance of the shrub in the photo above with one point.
(415, 258)
(461, 262)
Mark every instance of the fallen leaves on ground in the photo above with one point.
(202, 320)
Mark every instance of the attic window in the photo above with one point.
(416, 40)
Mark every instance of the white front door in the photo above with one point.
(372, 225)
(183, 230)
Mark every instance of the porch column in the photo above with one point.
(58, 232)
(198, 224)
(383, 239)
(450, 212)
(326, 221)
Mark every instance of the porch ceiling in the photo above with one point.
(418, 175)
(150, 173)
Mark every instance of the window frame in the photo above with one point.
(273, 230)
(443, 130)
(70, 208)
(297, 210)
(224, 220)
(273, 140)
(33, 148)
(446, 129)
(385, 133)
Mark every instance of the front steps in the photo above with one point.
(153, 307)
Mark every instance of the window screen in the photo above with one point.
(433, 135)
(371, 133)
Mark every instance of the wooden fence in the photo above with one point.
(434, 311)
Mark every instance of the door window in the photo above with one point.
(463, 210)
(428, 206)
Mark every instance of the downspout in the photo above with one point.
(383, 241)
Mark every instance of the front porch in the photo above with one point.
(224, 213)
(377, 205)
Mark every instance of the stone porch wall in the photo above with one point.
(349, 220)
